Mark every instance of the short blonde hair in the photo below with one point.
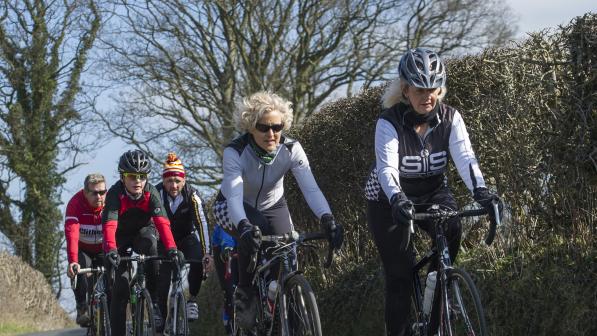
(394, 94)
(260, 103)
(94, 178)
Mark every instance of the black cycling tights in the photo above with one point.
(273, 220)
(398, 264)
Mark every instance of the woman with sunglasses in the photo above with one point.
(414, 136)
(251, 198)
(83, 232)
(131, 216)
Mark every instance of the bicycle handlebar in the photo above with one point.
(447, 214)
(77, 271)
(294, 237)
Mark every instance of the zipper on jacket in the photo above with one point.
(261, 187)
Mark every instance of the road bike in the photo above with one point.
(460, 308)
(97, 301)
(286, 301)
(140, 319)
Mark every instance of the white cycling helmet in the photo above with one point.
(422, 68)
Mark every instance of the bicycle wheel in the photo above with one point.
(144, 319)
(179, 322)
(101, 317)
(301, 316)
(463, 314)
(418, 320)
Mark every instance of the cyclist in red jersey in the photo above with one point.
(83, 231)
(131, 217)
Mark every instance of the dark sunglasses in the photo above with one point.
(265, 128)
(98, 193)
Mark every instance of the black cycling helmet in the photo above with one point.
(134, 161)
(422, 68)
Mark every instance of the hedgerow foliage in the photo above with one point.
(531, 112)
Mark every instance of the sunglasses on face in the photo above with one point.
(135, 176)
(98, 192)
(265, 128)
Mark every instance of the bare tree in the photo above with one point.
(459, 26)
(183, 64)
(43, 52)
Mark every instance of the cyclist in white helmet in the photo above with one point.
(414, 136)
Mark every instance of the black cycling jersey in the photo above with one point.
(414, 164)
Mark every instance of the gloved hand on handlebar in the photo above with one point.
(250, 237)
(113, 258)
(72, 269)
(177, 257)
(334, 230)
(402, 209)
(485, 198)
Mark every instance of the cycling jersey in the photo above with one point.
(82, 227)
(189, 216)
(417, 164)
(123, 216)
(249, 180)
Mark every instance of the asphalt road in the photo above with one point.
(63, 332)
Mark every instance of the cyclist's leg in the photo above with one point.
(84, 288)
(119, 299)
(397, 266)
(163, 283)
(278, 216)
(82, 285)
(191, 248)
(146, 243)
(226, 284)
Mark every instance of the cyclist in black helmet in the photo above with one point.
(132, 217)
(414, 136)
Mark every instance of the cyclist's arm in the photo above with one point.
(306, 181)
(160, 219)
(463, 155)
(110, 219)
(386, 157)
(71, 231)
(200, 222)
(232, 185)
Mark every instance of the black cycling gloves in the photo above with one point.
(402, 209)
(177, 257)
(485, 197)
(334, 230)
(250, 236)
(113, 258)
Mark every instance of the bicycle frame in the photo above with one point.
(440, 252)
(283, 248)
(96, 295)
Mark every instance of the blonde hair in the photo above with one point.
(394, 94)
(260, 103)
(94, 178)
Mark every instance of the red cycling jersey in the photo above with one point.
(82, 227)
(125, 216)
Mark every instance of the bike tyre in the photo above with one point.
(144, 318)
(179, 322)
(464, 314)
(302, 314)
